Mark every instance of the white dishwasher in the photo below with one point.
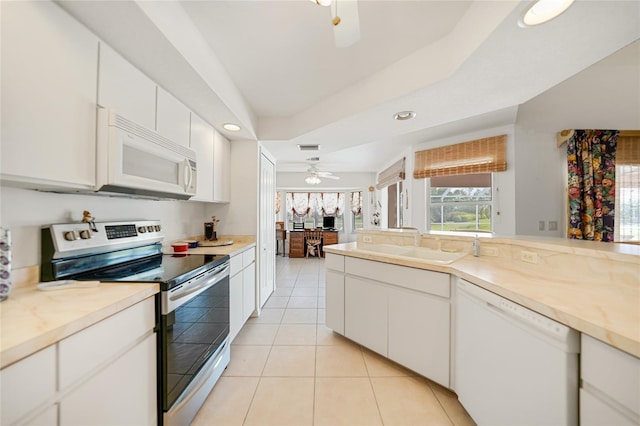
(513, 366)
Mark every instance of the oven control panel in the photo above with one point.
(81, 238)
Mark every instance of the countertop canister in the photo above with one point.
(5, 263)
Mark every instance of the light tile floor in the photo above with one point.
(288, 368)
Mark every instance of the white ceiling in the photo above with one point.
(272, 66)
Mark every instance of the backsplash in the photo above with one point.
(25, 212)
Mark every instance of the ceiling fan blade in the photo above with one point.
(346, 29)
(329, 177)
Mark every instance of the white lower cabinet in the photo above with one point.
(365, 313)
(27, 387)
(103, 375)
(334, 302)
(610, 385)
(123, 393)
(399, 312)
(419, 327)
(242, 290)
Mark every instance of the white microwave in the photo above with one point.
(132, 159)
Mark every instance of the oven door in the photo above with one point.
(194, 330)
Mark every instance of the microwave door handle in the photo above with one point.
(188, 174)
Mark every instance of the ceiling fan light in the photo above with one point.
(232, 127)
(542, 11)
(312, 180)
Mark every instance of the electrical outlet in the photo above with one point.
(367, 239)
(529, 257)
(553, 225)
(541, 225)
(488, 251)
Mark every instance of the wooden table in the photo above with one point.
(298, 246)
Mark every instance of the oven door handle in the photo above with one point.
(200, 285)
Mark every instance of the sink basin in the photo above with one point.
(417, 253)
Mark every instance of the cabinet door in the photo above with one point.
(221, 169)
(419, 327)
(365, 313)
(235, 305)
(123, 393)
(49, 66)
(334, 292)
(27, 384)
(249, 291)
(173, 118)
(124, 88)
(202, 144)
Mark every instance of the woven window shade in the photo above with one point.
(477, 156)
(393, 174)
(628, 149)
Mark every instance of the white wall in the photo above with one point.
(239, 216)
(25, 212)
(604, 96)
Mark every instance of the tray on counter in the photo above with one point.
(216, 243)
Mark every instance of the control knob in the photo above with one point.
(70, 235)
(150, 228)
(85, 234)
(157, 228)
(142, 229)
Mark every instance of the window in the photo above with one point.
(460, 203)
(627, 207)
(311, 207)
(628, 203)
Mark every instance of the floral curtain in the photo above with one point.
(298, 203)
(332, 203)
(591, 163)
(356, 203)
(278, 202)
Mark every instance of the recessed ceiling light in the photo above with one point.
(231, 127)
(542, 11)
(404, 115)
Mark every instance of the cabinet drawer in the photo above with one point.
(84, 352)
(334, 262)
(27, 384)
(436, 283)
(248, 257)
(236, 264)
(611, 371)
(329, 238)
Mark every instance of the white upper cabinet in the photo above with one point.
(202, 137)
(221, 169)
(172, 118)
(49, 66)
(124, 88)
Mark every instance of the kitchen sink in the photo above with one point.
(413, 252)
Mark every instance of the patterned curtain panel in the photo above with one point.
(298, 203)
(356, 203)
(278, 201)
(332, 203)
(592, 180)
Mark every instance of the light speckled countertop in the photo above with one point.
(596, 292)
(240, 243)
(31, 320)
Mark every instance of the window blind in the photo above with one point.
(628, 148)
(390, 175)
(478, 156)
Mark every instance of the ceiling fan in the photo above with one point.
(314, 175)
(345, 20)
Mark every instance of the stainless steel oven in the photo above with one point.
(192, 307)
